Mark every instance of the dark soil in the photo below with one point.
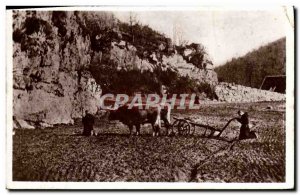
(61, 154)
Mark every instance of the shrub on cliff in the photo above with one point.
(115, 81)
(144, 38)
(208, 90)
(101, 28)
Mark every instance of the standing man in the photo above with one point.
(245, 132)
(88, 123)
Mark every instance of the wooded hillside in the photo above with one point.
(251, 69)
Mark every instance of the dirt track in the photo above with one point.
(57, 154)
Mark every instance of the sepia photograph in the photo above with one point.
(150, 98)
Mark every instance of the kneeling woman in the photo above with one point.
(245, 132)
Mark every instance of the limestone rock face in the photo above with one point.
(237, 93)
(51, 84)
(184, 68)
(52, 54)
(126, 58)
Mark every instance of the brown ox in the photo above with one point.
(139, 114)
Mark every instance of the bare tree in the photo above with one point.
(132, 22)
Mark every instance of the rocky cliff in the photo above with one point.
(54, 50)
(50, 81)
(126, 57)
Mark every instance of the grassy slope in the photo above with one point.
(58, 155)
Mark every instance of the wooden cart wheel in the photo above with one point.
(184, 127)
(192, 131)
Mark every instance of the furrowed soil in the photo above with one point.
(61, 154)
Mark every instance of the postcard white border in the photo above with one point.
(290, 154)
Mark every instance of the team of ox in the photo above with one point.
(141, 114)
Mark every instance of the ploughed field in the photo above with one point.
(59, 154)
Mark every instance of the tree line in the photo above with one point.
(251, 69)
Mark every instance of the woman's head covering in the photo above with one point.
(240, 112)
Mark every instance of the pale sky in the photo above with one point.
(225, 34)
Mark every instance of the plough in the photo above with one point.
(186, 126)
